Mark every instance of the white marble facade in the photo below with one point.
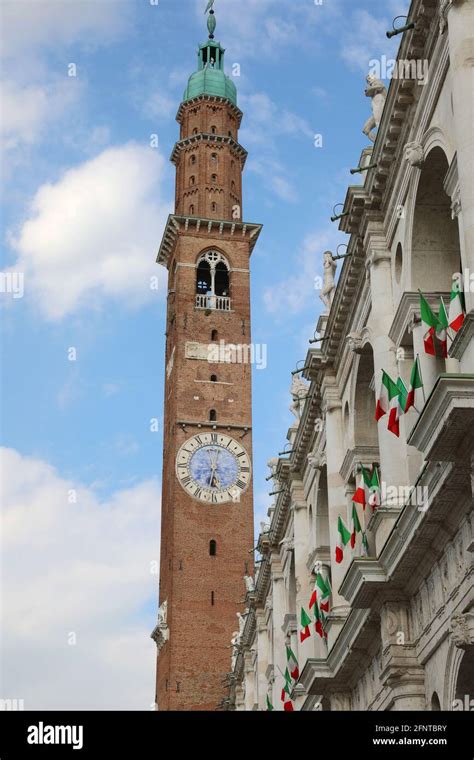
(400, 631)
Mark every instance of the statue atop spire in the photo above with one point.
(211, 20)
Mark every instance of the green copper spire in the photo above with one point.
(211, 19)
(210, 78)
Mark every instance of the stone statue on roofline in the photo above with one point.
(299, 391)
(329, 280)
(377, 91)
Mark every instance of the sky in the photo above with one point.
(90, 91)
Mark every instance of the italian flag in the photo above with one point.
(292, 663)
(375, 498)
(305, 621)
(362, 492)
(442, 329)
(430, 325)
(269, 704)
(325, 590)
(343, 537)
(365, 544)
(415, 391)
(319, 617)
(355, 525)
(286, 690)
(384, 397)
(394, 408)
(456, 306)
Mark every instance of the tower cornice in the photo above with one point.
(217, 227)
(235, 147)
(210, 99)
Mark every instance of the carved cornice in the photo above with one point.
(445, 428)
(194, 225)
(344, 663)
(194, 140)
(362, 581)
(463, 337)
(462, 630)
(190, 104)
(408, 310)
(366, 455)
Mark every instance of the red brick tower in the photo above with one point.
(207, 503)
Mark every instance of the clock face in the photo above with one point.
(213, 468)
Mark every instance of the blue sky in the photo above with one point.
(84, 203)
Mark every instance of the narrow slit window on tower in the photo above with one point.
(213, 130)
(232, 184)
(213, 378)
(214, 158)
(213, 415)
(192, 160)
(214, 206)
(214, 335)
(192, 180)
(214, 179)
(195, 131)
(212, 598)
(212, 548)
(191, 210)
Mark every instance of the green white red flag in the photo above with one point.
(286, 693)
(442, 330)
(456, 305)
(383, 400)
(365, 544)
(319, 618)
(292, 663)
(415, 390)
(375, 497)
(324, 590)
(361, 495)
(430, 325)
(343, 538)
(355, 525)
(305, 622)
(394, 407)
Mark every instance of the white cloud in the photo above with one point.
(30, 25)
(28, 110)
(82, 568)
(94, 234)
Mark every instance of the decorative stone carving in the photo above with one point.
(462, 630)
(249, 584)
(456, 206)
(377, 91)
(288, 544)
(444, 7)
(329, 280)
(163, 614)
(241, 619)
(315, 461)
(354, 340)
(160, 633)
(299, 391)
(414, 154)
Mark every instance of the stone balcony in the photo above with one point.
(211, 303)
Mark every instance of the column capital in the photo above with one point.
(331, 399)
(444, 8)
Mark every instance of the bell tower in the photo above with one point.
(207, 501)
